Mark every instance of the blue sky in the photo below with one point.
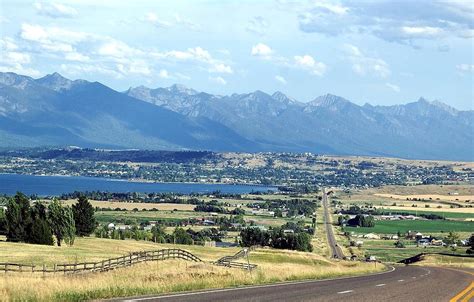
(381, 52)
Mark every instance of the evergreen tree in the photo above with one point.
(84, 217)
(18, 218)
(61, 220)
(41, 233)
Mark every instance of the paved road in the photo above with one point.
(407, 283)
(336, 251)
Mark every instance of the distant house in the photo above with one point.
(208, 222)
(288, 231)
(371, 236)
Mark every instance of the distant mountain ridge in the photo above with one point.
(331, 124)
(57, 111)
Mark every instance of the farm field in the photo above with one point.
(146, 278)
(461, 214)
(137, 205)
(430, 226)
(432, 195)
(386, 251)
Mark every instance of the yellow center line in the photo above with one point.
(462, 293)
(468, 297)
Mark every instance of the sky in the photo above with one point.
(380, 52)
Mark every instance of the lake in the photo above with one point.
(56, 185)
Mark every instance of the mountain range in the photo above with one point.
(55, 111)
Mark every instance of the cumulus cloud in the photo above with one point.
(396, 21)
(261, 50)
(363, 64)
(13, 59)
(281, 79)
(55, 10)
(394, 87)
(307, 62)
(112, 56)
(303, 62)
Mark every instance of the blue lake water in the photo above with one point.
(56, 185)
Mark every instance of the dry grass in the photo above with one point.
(139, 205)
(441, 260)
(176, 275)
(431, 209)
(433, 197)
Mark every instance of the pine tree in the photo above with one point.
(84, 217)
(18, 218)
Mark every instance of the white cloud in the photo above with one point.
(20, 69)
(218, 80)
(335, 8)
(164, 74)
(85, 69)
(13, 59)
(281, 79)
(465, 67)
(117, 49)
(221, 68)
(363, 65)
(394, 87)
(75, 56)
(307, 62)
(113, 57)
(303, 62)
(55, 10)
(156, 21)
(403, 22)
(153, 19)
(261, 50)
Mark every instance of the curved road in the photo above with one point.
(336, 251)
(408, 283)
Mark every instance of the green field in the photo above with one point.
(429, 226)
(385, 250)
(448, 215)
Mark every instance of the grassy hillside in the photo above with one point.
(155, 277)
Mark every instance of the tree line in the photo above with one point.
(45, 223)
(290, 236)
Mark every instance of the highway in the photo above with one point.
(336, 251)
(403, 283)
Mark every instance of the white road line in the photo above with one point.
(381, 284)
(414, 277)
(248, 287)
(346, 292)
(401, 280)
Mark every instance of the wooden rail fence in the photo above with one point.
(229, 261)
(103, 265)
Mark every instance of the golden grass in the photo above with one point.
(433, 197)
(138, 205)
(441, 260)
(176, 275)
(430, 209)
